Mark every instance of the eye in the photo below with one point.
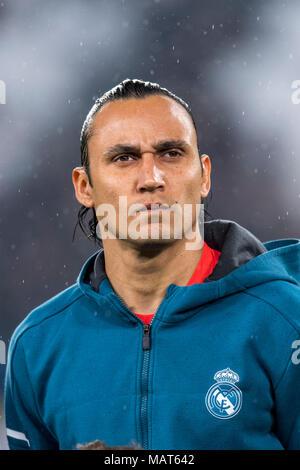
(122, 158)
(173, 153)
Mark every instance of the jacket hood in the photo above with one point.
(244, 262)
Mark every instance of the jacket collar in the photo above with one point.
(236, 244)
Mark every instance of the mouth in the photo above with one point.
(146, 207)
(156, 206)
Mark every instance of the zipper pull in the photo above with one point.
(146, 337)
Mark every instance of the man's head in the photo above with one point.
(139, 140)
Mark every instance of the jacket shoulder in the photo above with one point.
(283, 297)
(51, 307)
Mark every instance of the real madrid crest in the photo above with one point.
(224, 399)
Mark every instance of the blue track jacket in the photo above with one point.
(218, 367)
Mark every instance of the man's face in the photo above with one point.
(145, 149)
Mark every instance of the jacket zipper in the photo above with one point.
(144, 383)
(145, 372)
(146, 337)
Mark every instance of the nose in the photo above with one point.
(150, 177)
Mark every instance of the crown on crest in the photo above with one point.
(226, 375)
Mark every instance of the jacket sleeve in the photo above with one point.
(288, 405)
(24, 426)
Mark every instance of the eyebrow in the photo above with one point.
(158, 146)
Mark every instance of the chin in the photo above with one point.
(153, 245)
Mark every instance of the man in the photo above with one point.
(166, 339)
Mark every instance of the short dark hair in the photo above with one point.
(127, 89)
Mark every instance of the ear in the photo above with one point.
(83, 189)
(205, 179)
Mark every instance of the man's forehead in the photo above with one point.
(157, 112)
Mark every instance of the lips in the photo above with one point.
(146, 207)
(154, 206)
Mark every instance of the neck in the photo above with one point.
(141, 274)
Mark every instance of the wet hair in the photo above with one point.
(138, 89)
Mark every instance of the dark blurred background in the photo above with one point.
(233, 62)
